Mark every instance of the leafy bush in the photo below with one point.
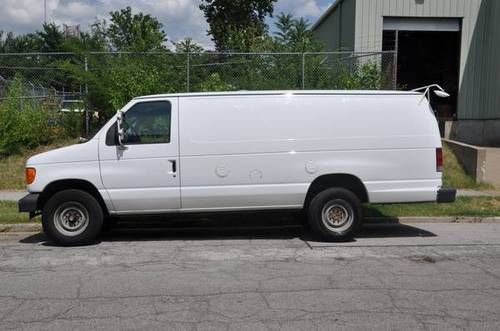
(371, 76)
(214, 83)
(364, 76)
(22, 124)
(27, 123)
(69, 125)
(344, 73)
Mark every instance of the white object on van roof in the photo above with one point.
(439, 91)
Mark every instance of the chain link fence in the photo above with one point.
(42, 74)
(102, 81)
(348, 70)
(290, 71)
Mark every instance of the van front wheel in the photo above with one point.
(334, 215)
(72, 217)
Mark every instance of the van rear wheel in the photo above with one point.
(72, 217)
(335, 215)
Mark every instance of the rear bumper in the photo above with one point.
(446, 194)
(29, 203)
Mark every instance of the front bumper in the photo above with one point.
(29, 203)
(446, 194)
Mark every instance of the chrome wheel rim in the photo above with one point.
(71, 218)
(337, 215)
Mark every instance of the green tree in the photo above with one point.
(249, 39)
(9, 43)
(227, 17)
(135, 32)
(188, 45)
(52, 38)
(294, 35)
(302, 38)
(284, 25)
(91, 41)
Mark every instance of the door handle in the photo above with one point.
(174, 167)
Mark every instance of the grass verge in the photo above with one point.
(454, 174)
(464, 206)
(9, 214)
(12, 167)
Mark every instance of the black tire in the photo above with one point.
(335, 203)
(75, 205)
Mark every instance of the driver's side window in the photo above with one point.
(147, 123)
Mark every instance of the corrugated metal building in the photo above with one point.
(455, 43)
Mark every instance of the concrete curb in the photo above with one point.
(430, 220)
(37, 227)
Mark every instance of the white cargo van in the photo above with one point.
(323, 152)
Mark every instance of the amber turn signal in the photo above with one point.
(29, 174)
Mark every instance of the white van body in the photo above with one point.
(259, 150)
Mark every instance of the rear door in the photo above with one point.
(142, 175)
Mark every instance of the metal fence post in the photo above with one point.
(187, 72)
(303, 70)
(87, 119)
(33, 96)
(395, 60)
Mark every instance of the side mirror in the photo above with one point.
(119, 128)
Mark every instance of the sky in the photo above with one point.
(181, 18)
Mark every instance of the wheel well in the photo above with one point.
(66, 184)
(349, 182)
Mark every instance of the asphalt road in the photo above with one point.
(234, 275)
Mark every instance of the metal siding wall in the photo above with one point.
(479, 97)
(494, 74)
(348, 23)
(472, 101)
(491, 63)
(328, 30)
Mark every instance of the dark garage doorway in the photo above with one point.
(428, 57)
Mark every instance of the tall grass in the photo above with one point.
(454, 174)
(27, 123)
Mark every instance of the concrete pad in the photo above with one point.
(423, 234)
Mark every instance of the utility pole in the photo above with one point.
(45, 11)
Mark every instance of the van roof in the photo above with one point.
(280, 92)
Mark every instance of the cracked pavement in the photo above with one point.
(253, 277)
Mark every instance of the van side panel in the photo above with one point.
(71, 162)
(264, 151)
